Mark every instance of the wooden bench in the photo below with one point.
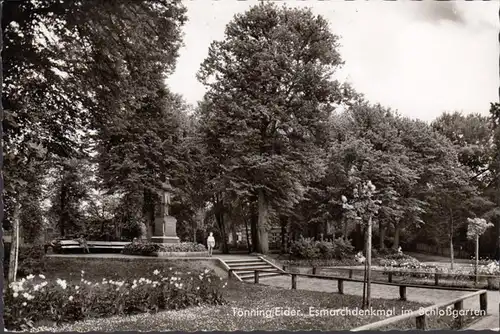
(74, 244)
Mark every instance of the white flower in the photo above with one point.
(206, 271)
(30, 277)
(28, 296)
(156, 272)
(15, 294)
(24, 303)
(62, 283)
(70, 298)
(83, 272)
(170, 268)
(41, 276)
(197, 288)
(77, 287)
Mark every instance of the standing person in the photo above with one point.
(83, 244)
(210, 243)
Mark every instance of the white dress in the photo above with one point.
(211, 242)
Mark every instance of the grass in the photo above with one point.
(240, 296)
(117, 269)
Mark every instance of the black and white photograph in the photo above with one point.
(259, 165)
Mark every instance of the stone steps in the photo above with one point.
(244, 268)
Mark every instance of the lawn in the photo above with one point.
(118, 268)
(239, 296)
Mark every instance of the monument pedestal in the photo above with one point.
(165, 231)
(165, 240)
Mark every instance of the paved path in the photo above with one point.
(422, 295)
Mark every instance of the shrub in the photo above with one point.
(35, 299)
(396, 259)
(31, 259)
(305, 248)
(151, 249)
(183, 247)
(309, 249)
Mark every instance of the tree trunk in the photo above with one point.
(234, 235)
(477, 258)
(397, 232)
(452, 255)
(263, 244)
(382, 235)
(360, 237)
(219, 217)
(368, 263)
(148, 212)
(284, 224)
(62, 217)
(14, 244)
(346, 225)
(254, 217)
(248, 236)
(451, 252)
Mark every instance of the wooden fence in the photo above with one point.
(391, 273)
(420, 315)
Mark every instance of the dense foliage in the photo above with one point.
(310, 249)
(152, 249)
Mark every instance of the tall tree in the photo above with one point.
(271, 94)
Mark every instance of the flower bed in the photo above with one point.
(154, 249)
(36, 300)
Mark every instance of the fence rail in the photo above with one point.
(391, 273)
(420, 315)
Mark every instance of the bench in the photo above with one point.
(74, 244)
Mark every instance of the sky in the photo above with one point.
(419, 58)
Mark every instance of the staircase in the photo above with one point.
(244, 268)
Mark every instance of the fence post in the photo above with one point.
(402, 292)
(350, 273)
(421, 322)
(490, 283)
(294, 281)
(284, 267)
(436, 279)
(314, 270)
(256, 276)
(389, 278)
(459, 306)
(483, 302)
(230, 274)
(340, 284)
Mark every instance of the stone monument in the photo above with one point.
(144, 232)
(165, 226)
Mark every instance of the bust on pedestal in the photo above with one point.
(165, 229)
